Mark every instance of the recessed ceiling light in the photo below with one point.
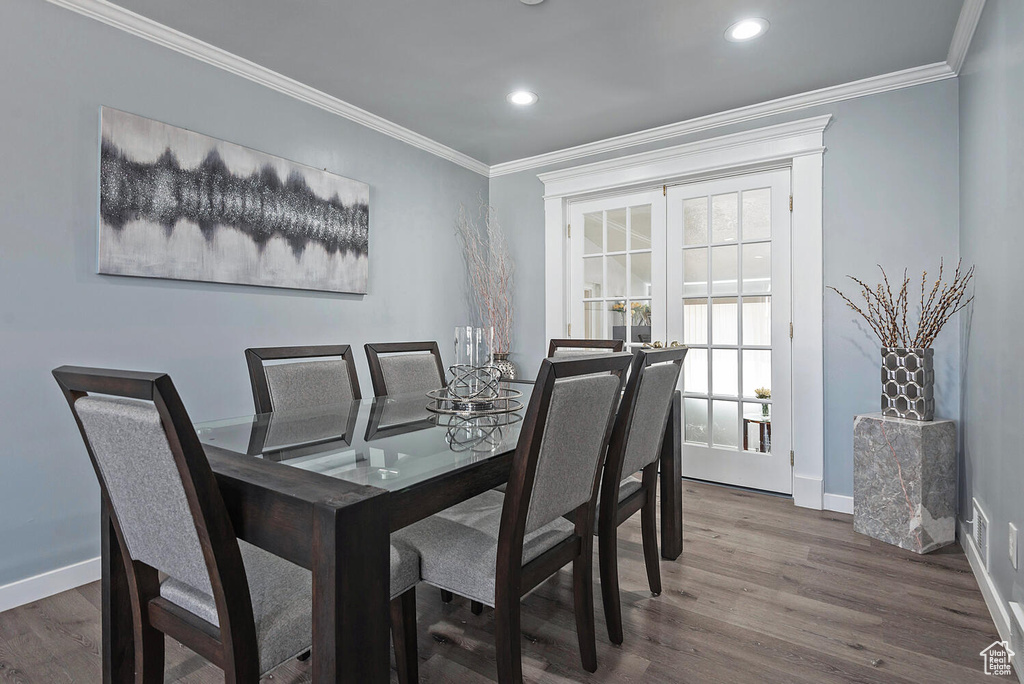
(531, 2)
(748, 29)
(523, 98)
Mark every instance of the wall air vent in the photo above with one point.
(980, 533)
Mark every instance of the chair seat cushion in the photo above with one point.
(629, 486)
(626, 488)
(458, 547)
(282, 599)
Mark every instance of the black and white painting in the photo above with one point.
(177, 204)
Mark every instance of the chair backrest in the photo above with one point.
(404, 367)
(288, 378)
(561, 445)
(572, 348)
(165, 504)
(640, 424)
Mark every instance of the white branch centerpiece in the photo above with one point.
(908, 376)
(491, 270)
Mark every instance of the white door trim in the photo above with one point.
(798, 144)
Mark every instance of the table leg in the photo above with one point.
(672, 483)
(351, 587)
(118, 633)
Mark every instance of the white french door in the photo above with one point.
(617, 268)
(728, 248)
(706, 264)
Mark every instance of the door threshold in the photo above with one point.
(751, 490)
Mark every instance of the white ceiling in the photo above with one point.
(601, 67)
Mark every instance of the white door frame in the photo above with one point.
(798, 145)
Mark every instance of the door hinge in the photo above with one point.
(791, 203)
(792, 458)
(664, 191)
(790, 330)
(568, 330)
(568, 229)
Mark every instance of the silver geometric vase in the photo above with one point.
(908, 383)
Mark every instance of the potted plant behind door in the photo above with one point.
(904, 474)
(490, 269)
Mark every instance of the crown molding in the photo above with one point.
(165, 36)
(970, 14)
(867, 86)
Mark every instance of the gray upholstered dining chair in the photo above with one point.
(242, 608)
(568, 348)
(404, 367)
(288, 378)
(495, 547)
(635, 446)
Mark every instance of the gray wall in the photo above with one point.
(59, 68)
(992, 238)
(890, 197)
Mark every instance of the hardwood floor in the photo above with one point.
(764, 592)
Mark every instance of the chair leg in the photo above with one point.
(476, 607)
(149, 641)
(649, 533)
(583, 601)
(446, 596)
(403, 634)
(508, 637)
(607, 544)
(149, 656)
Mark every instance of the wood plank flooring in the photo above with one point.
(764, 592)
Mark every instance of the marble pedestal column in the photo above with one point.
(905, 481)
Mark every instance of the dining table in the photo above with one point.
(324, 487)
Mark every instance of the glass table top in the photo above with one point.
(388, 442)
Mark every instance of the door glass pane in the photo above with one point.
(725, 419)
(695, 420)
(593, 320)
(640, 227)
(695, 221)
(695, 321)
(757, 428)
(640, 319)
(724, 321)
(757, 267)
(757, 214)
(616, 285)
(757, 371)
(695, 272)
(593, 276)
(757, 321)
(723, 269)
(695, 371)
(593, 233)
(617, 230)
(725, 372)
(724, 215)
(640, 275)
(617, 320)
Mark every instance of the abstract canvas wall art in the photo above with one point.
(177, 204)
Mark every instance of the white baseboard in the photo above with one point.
(807, 492)
(48, 583)
(840, 503)
(996, 605)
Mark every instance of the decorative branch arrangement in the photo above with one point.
(490, 269)
(887, 313)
